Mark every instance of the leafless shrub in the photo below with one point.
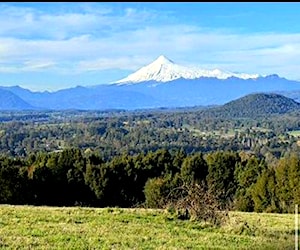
(195, 202)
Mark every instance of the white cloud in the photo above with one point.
(29, 22)
(122, 63)
(93, 38)
(27, 66)
(38, 65)
(9, 69)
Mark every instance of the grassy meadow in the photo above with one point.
(29, 227)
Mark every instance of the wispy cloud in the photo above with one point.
(38, 65)
(123, 63)
(27, 66)
(98, 21)
(94, 38)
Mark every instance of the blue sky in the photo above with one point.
(51, 46)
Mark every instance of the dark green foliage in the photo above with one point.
(12, 181)
(221, 180)
(119, 177)
(58, 178)
(178, 158)
(264, 193)
(246, 175)
(154, 179)
(259, 105)
(156, 192)
(288, 178)
(105, 158)
(194, 169)
(92, 175)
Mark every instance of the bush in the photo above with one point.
(195, 202)
(155, 192)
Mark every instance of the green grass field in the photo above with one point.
(29, 227)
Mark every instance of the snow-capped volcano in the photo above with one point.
(165, 70)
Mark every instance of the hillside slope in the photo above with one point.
(257, 105)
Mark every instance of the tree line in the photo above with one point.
(239, 180)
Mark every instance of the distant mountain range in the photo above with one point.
(162, 83)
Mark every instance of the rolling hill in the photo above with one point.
(256, 105)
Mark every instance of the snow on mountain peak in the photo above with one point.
(165, 70)
(163, 60)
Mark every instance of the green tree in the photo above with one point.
(264, 192)
(221, 180)
(12, 181)
(288, 182)
(156, 191)
(246, 175)
(194, 169)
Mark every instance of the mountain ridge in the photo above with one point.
(11, 101)
(149, 94)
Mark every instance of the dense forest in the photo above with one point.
(137, 158)
(240, 181)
